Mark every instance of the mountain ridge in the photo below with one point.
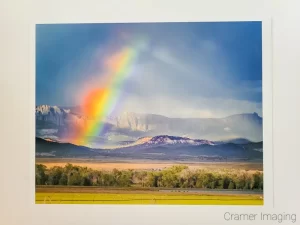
(134, 125)
(154, 151)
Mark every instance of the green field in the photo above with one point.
(146, 198)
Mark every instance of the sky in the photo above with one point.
(182, 70)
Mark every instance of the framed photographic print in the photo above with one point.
(167, 113)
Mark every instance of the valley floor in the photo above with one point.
(121, 164)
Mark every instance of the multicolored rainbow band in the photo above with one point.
(100, 102)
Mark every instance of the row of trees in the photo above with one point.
(173, 177)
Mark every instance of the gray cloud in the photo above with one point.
(173, 84)
(175, 78)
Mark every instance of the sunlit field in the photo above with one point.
(149, 165)
(108, 198)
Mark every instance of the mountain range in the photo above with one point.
(161, 147)
(53, 122)
(151, 137)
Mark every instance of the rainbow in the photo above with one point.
(100, 102)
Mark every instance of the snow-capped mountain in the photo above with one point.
(58, 116)
(46, 109)
(53, 121)
(173, 140)
(164, 140)
(52, 114)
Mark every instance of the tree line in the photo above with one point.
(174, 177)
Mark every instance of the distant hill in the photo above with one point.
(46, 148)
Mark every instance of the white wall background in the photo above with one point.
(16, 111)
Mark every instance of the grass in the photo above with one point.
(145, 198)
